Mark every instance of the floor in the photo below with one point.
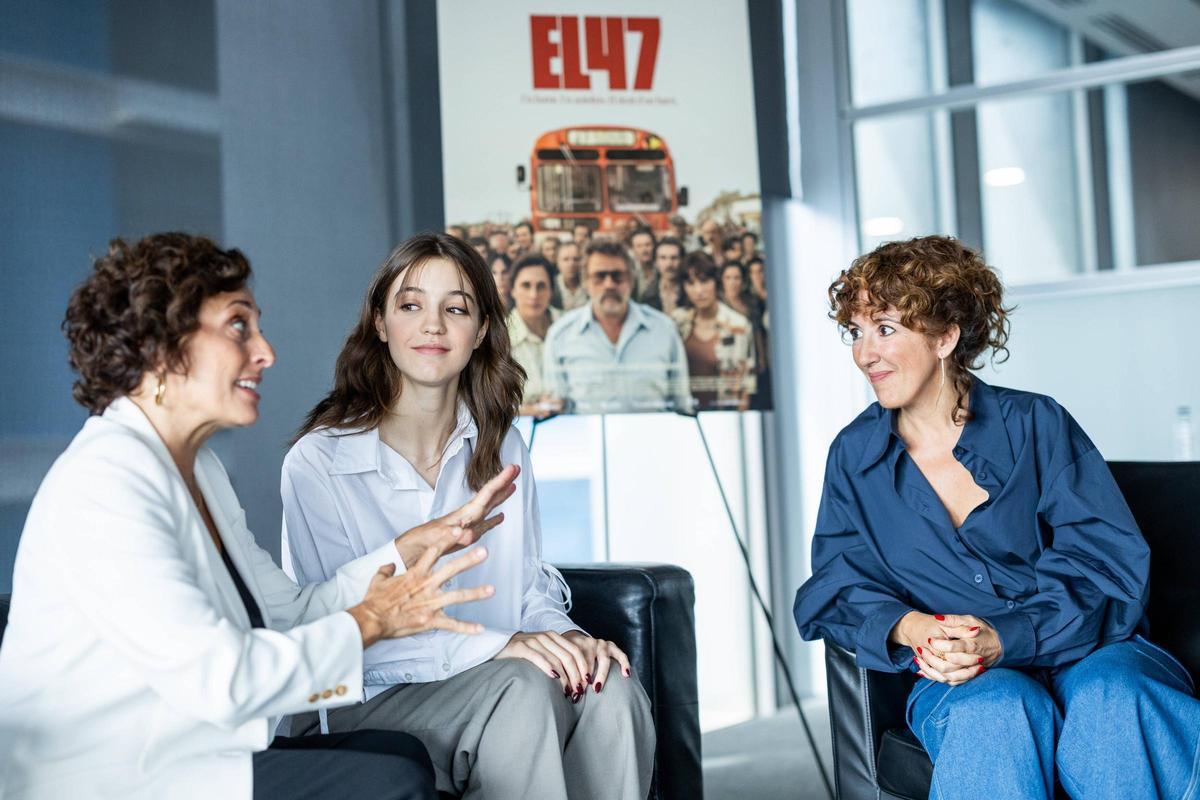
(768, 758)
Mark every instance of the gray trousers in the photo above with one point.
(503, 730)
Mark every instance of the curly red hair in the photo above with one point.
(934, 282)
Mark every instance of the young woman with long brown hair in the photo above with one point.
(420, 415)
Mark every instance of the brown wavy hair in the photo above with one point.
(366, 382)
(135, 311)
(934, 282)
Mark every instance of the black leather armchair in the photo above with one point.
(647, 609)
(875, 755)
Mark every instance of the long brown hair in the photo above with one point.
(934, 282)
(366, 382)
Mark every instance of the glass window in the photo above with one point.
(639, 187)
(889, 55)
(1029, 188)
(897, 172)
(1010, 41)
(565, 188)
(1162, 136)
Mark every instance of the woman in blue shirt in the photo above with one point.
(975, 535)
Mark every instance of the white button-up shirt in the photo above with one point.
(346, 493)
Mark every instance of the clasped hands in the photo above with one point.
(948, 648)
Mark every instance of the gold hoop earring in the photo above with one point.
(161, 390)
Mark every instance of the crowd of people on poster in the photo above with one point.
(693, 301)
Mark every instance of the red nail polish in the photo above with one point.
(554, 674)
(588, 677)
(920, 651)
(981, 670)
(981, 659)
(973, 628)
(940, 617)
(929, 641)
(625, 671)
(916, 660)
(579, 688)
(566, 692)
(598, 685)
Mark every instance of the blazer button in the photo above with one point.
(328, 693)
(340, 690)
(312, 698)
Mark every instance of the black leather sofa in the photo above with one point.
(647, 609)
(876, 757)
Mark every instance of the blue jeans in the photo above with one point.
(1123, 722)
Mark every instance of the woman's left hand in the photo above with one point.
(968, 647)
(600, 653)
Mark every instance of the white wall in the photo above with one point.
(1121, 362)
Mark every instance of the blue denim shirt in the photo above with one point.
(1053, 560)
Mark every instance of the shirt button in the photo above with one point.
(312, 698)
(328, 693)
(408, 677)
(445, 667)
(340, 690)
(958, 451)
(978, 578)
(1010, 604)
(982, 476)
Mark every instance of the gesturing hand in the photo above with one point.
(401, 605)
(464, 526)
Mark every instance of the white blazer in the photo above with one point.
(129, 668)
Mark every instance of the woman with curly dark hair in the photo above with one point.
(974, 536)
(150, 641)
(424, 396)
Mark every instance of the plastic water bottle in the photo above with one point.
(1184, 434)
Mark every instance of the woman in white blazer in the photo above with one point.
(151, 643)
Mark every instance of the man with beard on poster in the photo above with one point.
(615, 355)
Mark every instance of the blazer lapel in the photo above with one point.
(212, 574)
(226, 527)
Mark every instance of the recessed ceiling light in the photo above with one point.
(882, 226)
(1004, 176)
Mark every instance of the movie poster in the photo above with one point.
(602, 157)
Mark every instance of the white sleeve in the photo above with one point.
(130, 570)
(316, 539)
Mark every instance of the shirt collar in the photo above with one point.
(985, 434)
(358, 451)
(518, 331)
(881, 436)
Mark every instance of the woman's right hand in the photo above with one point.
(402, 605)
(918, 631)
(463, 527)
